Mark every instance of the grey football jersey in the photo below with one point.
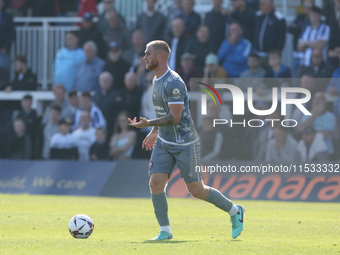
(170, 89)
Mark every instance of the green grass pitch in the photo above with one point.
(39, 225)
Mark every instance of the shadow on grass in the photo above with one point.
(166, 241)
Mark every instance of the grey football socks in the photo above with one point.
(219, 200)
(160, 205)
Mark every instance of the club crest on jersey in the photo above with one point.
(150, 164)
(176, 93)
(154, 95)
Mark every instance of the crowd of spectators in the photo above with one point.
(100, 78)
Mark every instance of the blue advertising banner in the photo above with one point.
(54, 177)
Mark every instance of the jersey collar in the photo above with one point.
(163, 75)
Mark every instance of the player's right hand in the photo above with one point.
(149, 141)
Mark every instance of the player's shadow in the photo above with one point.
(166, 241)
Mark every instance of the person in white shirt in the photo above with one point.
(63, 145)
(85, 135)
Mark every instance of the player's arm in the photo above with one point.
(171, 118)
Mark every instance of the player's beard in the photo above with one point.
(152, 65)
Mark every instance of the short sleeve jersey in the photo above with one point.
(170, 89)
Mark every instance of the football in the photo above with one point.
(81, 226)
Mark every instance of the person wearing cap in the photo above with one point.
(188, 69)
(90, 32)
(234, 51)
(88, 71)
(116, 65)
(315, 36)
(63, 145)
(213, 70)
(67, 61)
(312, 146)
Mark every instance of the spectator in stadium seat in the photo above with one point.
(318, 67)
(105, 99)
(321, 120)
(234, 51)
(63, 144)
(315, 36)
(312, 146)
(67, 61)
(124, 138)
(177, 42)
(60, 99)
(173, 12)
(30, 117)
(47, 131)
(282, 148)
(217, 20)
(90, 32)
(138, 47)
(73, 104)
(201, 46)
(117, 32)
(336, 112)
(103, 24)
(7, 35)
(116, 65)
(24, 79)
(152, 23)
(19, 145)
(213, 71)
(269, 29)
(188, 69)
(131, 95)
(86, 104)
(212, 140)
(88, 71)
(87, 6)
(191, 19)
(254, 68)
(296, 28)
(84, 135)
(333, 87)
(245, 16)
(100, 149)
(276, 68)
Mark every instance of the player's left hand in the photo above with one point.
(143, 122)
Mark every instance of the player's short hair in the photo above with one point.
(21, 59)
(27, 97)
(160, 45)
(86, 94)
(275, 52)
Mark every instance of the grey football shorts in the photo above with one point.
(165, 156)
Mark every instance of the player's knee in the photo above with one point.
(196, 192)
(156, 186)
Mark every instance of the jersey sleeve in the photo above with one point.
(176, 92)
